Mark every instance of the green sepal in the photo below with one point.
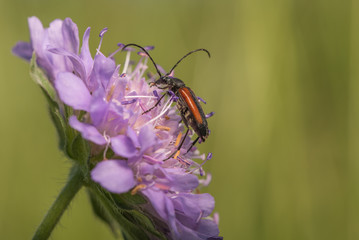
(128, 201)
(79, 150)
(133, 223)
(56, 113)
(41, 79)
(60, 126)
(102, 213)
(140, 219)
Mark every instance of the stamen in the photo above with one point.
(165, 108)
(209, 114)
(162, 186)
(157, 96)
(201, 100)
(137, 188)
(127, 62)
(103, 31)
(128, 102)
(199, 216)
(205, 182)
(120, 46)
(216, 217)
(209, 156)
(110, 93)
(142, 107)
(152, 160)
(149, 48)
(108, 140)
(163, 128)
(178, 139)
(176, 155)
(142, 54)
(171, 93)
(184, 161)
(174, 97)
(153, 97)
(167, 117)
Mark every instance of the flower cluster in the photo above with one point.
(108, 102)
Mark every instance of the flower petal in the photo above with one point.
(75, 60)
(37, 34)
(102, 71)
(147, 138)
(123, 146)
(73, 91)
(88, 132)
(23, 50)
(85, 54)
(163, 206)
(114, 175)
(194, 206)
(70, 34)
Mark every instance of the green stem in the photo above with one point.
(54, 214)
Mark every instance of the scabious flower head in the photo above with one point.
(109, 100)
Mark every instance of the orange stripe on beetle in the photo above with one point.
(187, 97)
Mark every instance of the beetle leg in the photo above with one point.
(194, 142)
(158, 102)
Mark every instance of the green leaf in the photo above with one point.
(41, 79)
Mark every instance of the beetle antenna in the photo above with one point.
(197, 50)
(143, 49)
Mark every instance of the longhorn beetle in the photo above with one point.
(187, 103)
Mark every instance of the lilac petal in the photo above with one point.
(205, 229)
(87, 131)
(147, 138)
(102, 72)
(157, 198)
(71, 36)
(123, 146)
(37, 34)
(181, 182)
(177, 179)
(208, 229)
(132, 134)
(195, 205)
(75, 60)
(163, 206)
(98, 107)
(85, 54)
(23, 50)
(73, 91)
(114, 175)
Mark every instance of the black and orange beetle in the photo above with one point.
(187, 103)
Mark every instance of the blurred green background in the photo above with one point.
(283, 81)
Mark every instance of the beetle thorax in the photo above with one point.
(169, 82)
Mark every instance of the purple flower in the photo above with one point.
(111, 99)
